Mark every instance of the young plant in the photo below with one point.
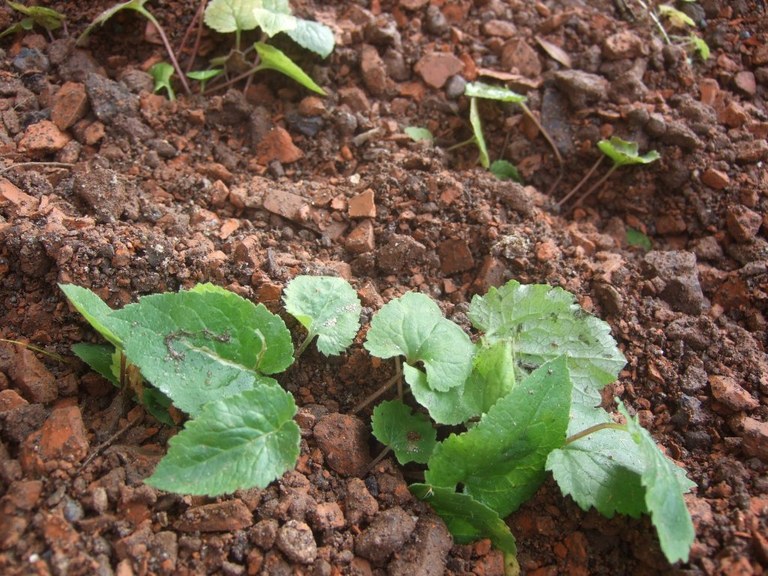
(162, 73)
(528, 394)
(203, 76)
(47, 18)
(418, 134)
(271, 17)
(621, 153)
(137, 6)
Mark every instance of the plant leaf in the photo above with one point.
(272, 22)
(466, 518)
(411, 436)
(677, 18)
(205, 75)
(482, 90)
(226, 16)
(477, 130)
(327, 307)
(664, 487)
(413, 326)
(543, 323)
(47, 18)
(624, 153)
(418, 134)
(504, 170)
(239, 442)
(93, 309)
(274, 59)
(202, 344)
(500, 462)
(701, 46)
(637, 238)
(313, 36)
(98, 357)
(162, 73)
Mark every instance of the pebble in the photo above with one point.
(362, 239)
(517, 55)
(754, 434)
(387, 533)
(284, 204)
(70, 104)
(103, 190)
(745, 81)
(374, 71)
(454, 87)
(678, 134)
(435, 21)
(751, 151)
(277, 145)
(715, 179)
(501, 28)
(32, 378)
(15, 202)
(42, 138)
(427, 552)
(109, 99)
(727, 391)
(436, 67)
(359, 504)
(327, 516)
(355, 99)
(455, 256)
(296, 541)
(743, 223)
(31, 60)
(362, 205)
(264, 533)
(400, 253)
(678, 272)
(224, 516)
(343, 439)
(23, 494)
(581, 88)
(62, 438)
(10, 399)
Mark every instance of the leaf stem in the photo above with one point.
(305, 343)
(396, 379)
(527, 111)
(168, 48)
(593, 429)
(596, 185)
(581, 183)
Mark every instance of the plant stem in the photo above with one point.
(304, 344)
(551, 143)
(578, 186)
(596, 185)
(378, 459)
(396, 379)
(167, 44)
(593, 429)
(196, 19)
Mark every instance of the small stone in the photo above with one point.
(355, 98)
(226, 516)
(62, 438)
(715, 179)
(284, 204)
(733, 115)
(728, 392)
(296, 541)
(24, 494)
(623, 45)
(547, 250)
(518, 56)
(360, 506)
(400, 253)
(362, 239)
(42, 138)
(455, 256)
(32, 378)
(374, 71)
(363, 205)
(264, 533)
(492, 273)
(327, 516)
(413, 4)
(10, 399)
(501, 28)
(109, 99)
(679, 275)
(754, 436)
(248, 251)
(743, 223)
(16, 202)
(581, 88)
(436, 67)
(751, 151)
(69, 105)
(343, 439)
(312, 106)
(277, 145)
(426, 553)
(386, 534)
(745, 81)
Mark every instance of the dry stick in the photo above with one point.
(396, 379)
(581, 183)
(109, 441)
(551, 143)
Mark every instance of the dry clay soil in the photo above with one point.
(107, 185)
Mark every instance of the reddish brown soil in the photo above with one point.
(108, 186)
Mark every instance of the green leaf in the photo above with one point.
(418, 134)
(103, 18)
(205, 75)
(504, 170)
(226, 16)
(466, 518)
(98, 357)
(677, 19)
(157, 404)
(327, 307)
(93, 309)
(272, 22)
(162, 73)
(25, 25)
(202, 344)
(701, 47)
(411, 436)
(47, 18)
(624, 153)
(413, 326)
(477, 130)
(543, 323)
(482, 90)
(664, 489)
(273, 59)
(313, 36)
(500, 462)
(637, 238)
(242, 441)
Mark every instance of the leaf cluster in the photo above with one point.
(47, 18)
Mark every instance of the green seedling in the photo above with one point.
(504, 170)
(477, 90)
(621, 153)
(203, 76)
(162, 73)
(137, 6)
(419, 134)
(637, 238)
(271, 17)
(47, 18)
(675, 17)
(527, 393)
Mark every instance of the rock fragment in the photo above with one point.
(455, 256)
(374, 71)
(362, 239)
(743, 223)
(32, 378)
(400, 253)
(109, 99)
(343, 439)
(436, 67)
(69, 105)
(277, 145)
(581, 88)
(679, 276)
(386, 534)
(727, 391)
(754, 436)
(43, 138)
(360, 506)
(426, 553)
(362, 205)
(226, 516)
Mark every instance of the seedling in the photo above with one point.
(677, 19)
(137, 6)
(637, 238)
(419, 134)
(504, 170)
(203, 76)
(238, 16)
(622, 153)
(47, 18)
(162, 73)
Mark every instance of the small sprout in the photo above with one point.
(699, 46)
(273, 59)
(637, 238)
(47, 18)
(504, 170)
(162, 73)
(676, 18)
(622, 153)
(203, 76)
(418, 134)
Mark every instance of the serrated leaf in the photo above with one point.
(477, 130)
(624, 153)
(413, 326)
(273, 59)
(664, 488)
(466, 518)
(242, 441)
(98, 357)
(202, 344)
(227, 16)
(313, 36)
(327, 307)
(500, 462)
(453, 406)
(92, 308)
(418, 134)
(504, 170)
(543, 323)
(482, 90)
(411, 436)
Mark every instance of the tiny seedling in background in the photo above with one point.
(162, 73)
(418, 134)
(203, 76)
(504, 170)
(637, 238)
(622, 153)
(137, 6)
(47, 18)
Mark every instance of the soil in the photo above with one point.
(107, 185)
